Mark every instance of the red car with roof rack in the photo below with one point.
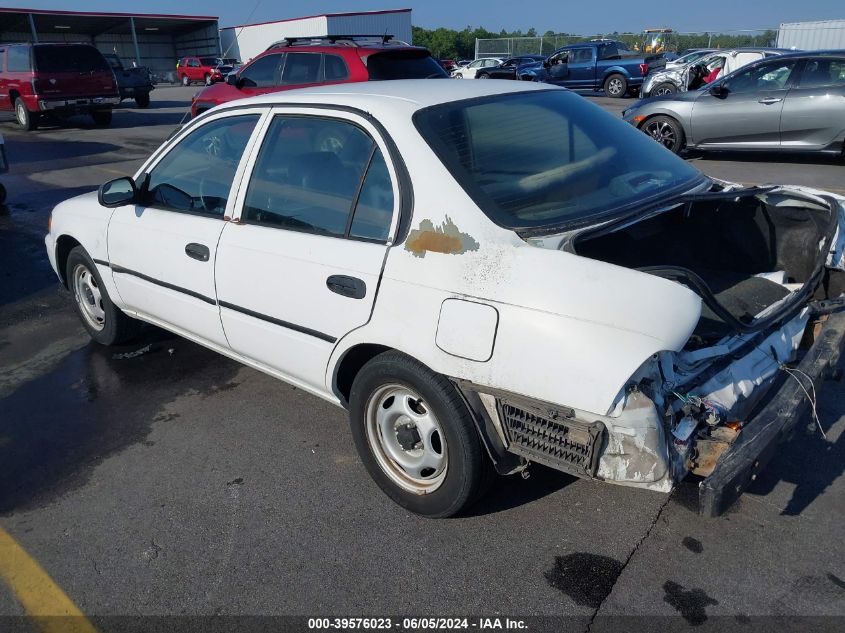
(301, 62)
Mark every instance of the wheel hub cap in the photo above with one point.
(88, 297)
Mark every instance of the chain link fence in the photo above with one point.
(503, 47)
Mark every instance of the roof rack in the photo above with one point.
(346, 40)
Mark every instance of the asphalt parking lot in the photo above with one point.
(163, 479)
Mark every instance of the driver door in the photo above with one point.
(162, 250)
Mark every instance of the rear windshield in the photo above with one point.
(68, 59)
(551, 158)
(407, 64)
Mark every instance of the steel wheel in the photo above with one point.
(406, 439)
(662, 132)
(88, 297)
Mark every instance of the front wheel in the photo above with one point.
(105, 323)
(615, 86)
(185, 80)
(416, 436)
(207, 79)
(666, 131)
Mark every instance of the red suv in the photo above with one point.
(58, 80)
(302, 62)
(205, 69)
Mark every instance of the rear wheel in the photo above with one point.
(666, 88)
(615, 86)
(416, 436)
(666, 131)
(23, 117)
(483, 76)
(102, 117)
(105, 323)
(142, 99)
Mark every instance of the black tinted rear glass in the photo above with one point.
(69, 58)
(407, 64)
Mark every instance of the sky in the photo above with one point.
(494, 15)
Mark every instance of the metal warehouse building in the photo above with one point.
(812, 36)
(153, 40)
(248, 40)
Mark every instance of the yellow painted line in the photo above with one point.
(41, 598)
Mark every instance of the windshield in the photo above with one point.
(69, 58)
(404, 64)
(543, 159)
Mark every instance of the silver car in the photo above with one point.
(689, 75)
(793, 102)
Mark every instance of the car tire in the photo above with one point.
(482, 76)
(105, 322)
(185, 80)
(2, 195)
(102, 117)
(666, 131)
(399, 409)
(666, 88)
(25, 119)
(142, 99)
(615, 86)
(207, 79)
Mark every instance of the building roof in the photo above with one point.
(320, 15)
(95, 22)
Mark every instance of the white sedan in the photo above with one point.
(480, 293)
(468, 71)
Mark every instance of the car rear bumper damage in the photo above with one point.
(761, 435)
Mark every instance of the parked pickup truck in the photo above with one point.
(133, 83)
(600, 65)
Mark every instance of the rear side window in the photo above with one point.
(819, 73)
(263, 72)
(69, 59)
(335, 68)
(301, 68)
(308, 178)
(407, 64)
(18, 59)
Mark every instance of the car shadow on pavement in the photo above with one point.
(49, 446)
(767, 157)
(514, 491)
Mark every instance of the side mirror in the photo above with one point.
(117, 192)
(233, 80)
(546, 63)
(719, 91)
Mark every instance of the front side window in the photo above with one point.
(194, 63)
(263, 72)
(820, 73)
(308, 177)
(18, 59)
(768, 76)
(301, 68)
(546, 159)
(197, 174)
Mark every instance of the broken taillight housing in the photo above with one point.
(644, 69)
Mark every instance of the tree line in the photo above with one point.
(452, 44)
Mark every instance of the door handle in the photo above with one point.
(770, 100)
(197, 251)
(351, 287)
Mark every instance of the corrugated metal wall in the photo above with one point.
(810, 36)
(396, 24)
(247, 42)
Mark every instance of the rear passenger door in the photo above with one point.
(582, 68)
(813, 114)
(299, 267)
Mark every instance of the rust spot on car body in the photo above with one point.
(445, 238)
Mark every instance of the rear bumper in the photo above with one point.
(739, 466)
(77, 104)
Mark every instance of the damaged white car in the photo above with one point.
(485, 274)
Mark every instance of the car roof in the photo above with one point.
(825, 53)
(378, 97)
